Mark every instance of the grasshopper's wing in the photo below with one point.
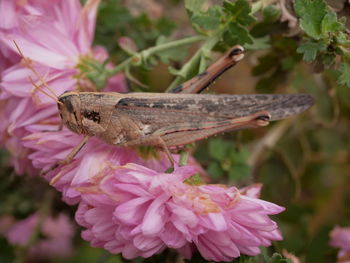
(191, 107)
(175, 117)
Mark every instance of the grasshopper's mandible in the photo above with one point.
(170, 120)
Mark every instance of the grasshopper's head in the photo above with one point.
(69, 107)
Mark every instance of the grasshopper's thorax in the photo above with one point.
(70, 111)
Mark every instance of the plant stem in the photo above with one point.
(145, 54)
(207, 46)
(119, 67)
(177, 43)
(183, 158)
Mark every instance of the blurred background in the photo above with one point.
(303, 162)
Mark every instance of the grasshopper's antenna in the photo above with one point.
(43, 91)
(28, 65)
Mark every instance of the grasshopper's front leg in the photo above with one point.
(67, 160)
(203, 80)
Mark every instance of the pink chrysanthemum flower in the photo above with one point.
(137, 211)
(340, 238)
(7, 59)
(54, 37)
(58, 234)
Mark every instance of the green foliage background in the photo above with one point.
(300, 46)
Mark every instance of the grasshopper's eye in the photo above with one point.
(69, 105)
(92, 115)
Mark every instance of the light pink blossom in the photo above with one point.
(137, 211)
(30, 120)
(340, 238)
(7, 60)
(53, 36)
(58, 234)
(90, 161)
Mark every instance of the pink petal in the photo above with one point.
(172, 237)
(155, 219)
(214, 221)
(133, 211)
(147, 243)
(183, 214)
(130, 251)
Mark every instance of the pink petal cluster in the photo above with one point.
(136, 211)
(54, 37)
(340, 238)
(58, 234)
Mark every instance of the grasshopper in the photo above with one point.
(170, 120)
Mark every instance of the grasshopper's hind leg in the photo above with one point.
(184, 134)
(203, 80)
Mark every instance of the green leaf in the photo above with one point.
(237, 35)
(310, 50)
(239, 168)
(311, 13)
(342, 39)
(276, 258)
(240, 10)
(240, 156)
(271, 82)
(271, 13)
(344, 77)
(214, 170)
(330, 24)
(165, 26)
(194, 5)
(209, 20)
(239, 171)
(195, 179)
(266, 63)
(168, 55)
(288, 63)
(218, 149)
(328, 59)
(259, 43)
(176, 72)
(246, 259)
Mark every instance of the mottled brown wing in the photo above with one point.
(204, 107)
